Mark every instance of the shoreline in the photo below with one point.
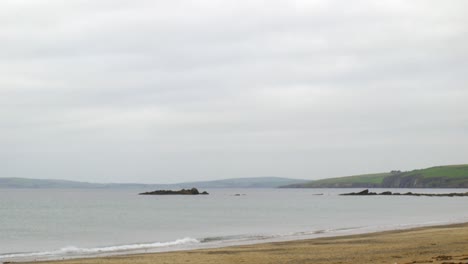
(427, 244)
(193, 244)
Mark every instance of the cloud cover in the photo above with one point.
(168, 91)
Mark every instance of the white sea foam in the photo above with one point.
(76, 251)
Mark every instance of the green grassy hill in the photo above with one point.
(364, 180)
(452, 176)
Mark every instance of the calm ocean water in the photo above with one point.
(43, 224)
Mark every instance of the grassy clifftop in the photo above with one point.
(452, 176)
(364, 180)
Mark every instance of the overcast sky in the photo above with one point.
(170, 91)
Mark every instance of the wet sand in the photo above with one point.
(436, 245)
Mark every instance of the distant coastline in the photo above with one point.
(257, 182)
(448, 176)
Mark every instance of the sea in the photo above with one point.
(41, 224)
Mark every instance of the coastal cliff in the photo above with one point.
(452, 176)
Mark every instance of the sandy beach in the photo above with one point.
(438, 245)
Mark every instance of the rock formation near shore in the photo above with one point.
(366, 192)
(193, 191)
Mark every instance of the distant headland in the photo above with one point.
(451, 176)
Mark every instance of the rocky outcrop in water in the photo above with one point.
(193, 191)
(366, 192)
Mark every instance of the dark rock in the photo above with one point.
(193, 191)
(365, 192)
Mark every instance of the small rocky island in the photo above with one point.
(366, 192)
(193, 191)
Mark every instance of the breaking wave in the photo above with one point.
(74, 251)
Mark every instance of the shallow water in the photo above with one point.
(37, 224)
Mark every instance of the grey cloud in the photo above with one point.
(131, 91)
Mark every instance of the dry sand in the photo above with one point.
(437, 245)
